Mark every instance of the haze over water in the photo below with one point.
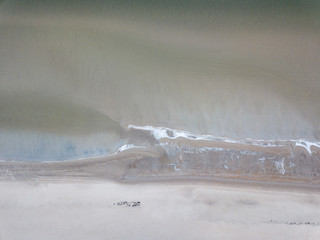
(75, 74)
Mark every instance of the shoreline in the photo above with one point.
(89, 171)
(151, 152)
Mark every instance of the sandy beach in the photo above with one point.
(154, 193)
(184, 210)
(139, 195)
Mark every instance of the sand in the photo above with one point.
(181, 120)
(139, 195)
(168, 210)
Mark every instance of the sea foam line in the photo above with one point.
(163, 132)
(127, 147)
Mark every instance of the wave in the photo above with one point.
(161, 133)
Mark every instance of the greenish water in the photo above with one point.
(76, 73)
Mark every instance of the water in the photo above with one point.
(74, 75)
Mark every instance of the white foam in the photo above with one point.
(163, 132)
(262, 159)
(174, 167)
(280, 166)
(307, 145)
(127, 147)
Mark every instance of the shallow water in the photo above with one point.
(77, 74)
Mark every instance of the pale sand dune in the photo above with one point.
(167, 211)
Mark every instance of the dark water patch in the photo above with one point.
(52, 114)
(38, 128)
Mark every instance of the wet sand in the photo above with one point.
(165, 153)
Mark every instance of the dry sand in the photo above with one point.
(170, 210)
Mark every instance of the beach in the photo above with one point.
(167, 210)
(175, 119)
(139, 194)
